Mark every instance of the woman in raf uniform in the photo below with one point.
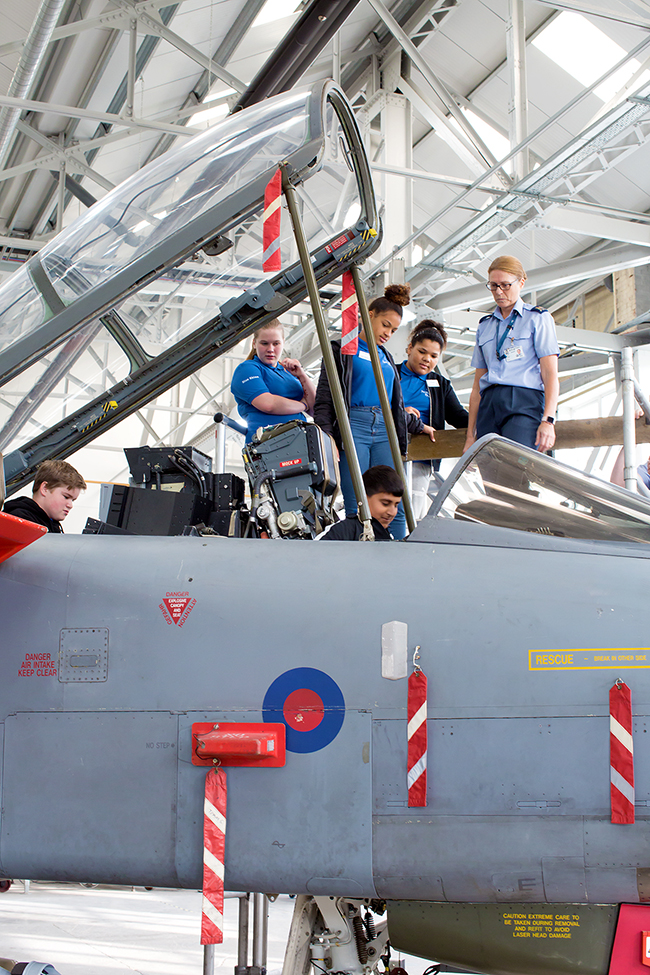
(516, 383)
(269, 391)
(431, 400)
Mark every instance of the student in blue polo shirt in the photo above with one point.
(269, 391)
(362, 398)
(430, 398)
(516, 385)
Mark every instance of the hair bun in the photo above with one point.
(399, 294)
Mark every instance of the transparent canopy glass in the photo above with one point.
(153, 204)
(168, 309)
(165, 250)
(509, 486)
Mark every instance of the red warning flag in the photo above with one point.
(272, 256)
(417, 739)
(621, 753)
(214, 843)
(349, 316)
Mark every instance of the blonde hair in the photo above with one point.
(275, 323)
(508, 264)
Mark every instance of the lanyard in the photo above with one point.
(500, 341)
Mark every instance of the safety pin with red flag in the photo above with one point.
(272, 254)
(621, 754)
(214, 845)
(417, 736)
(349, 316)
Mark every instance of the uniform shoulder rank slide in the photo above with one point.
(538, 309)
(485, 318)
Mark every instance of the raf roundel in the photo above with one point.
(310, 704)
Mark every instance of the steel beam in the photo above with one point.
(594, 265)
(419, 18)
(194, 99)
(437, 86)
(59, 154)
(596, 225)
(48, 108)
(130, 75)
(629, 439)
(626, 218)
(117, 19)
(153, 26)
(439, 123)
(518, 108)
(464, 234)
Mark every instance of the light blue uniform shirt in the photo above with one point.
(364, 387)
(531, 337)
(643, 475)
(251, 378)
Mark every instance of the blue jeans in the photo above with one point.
(373, 447)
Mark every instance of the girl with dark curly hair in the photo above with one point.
(362, 397)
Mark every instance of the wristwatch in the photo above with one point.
(548, 419)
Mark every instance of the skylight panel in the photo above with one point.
(219, 92)
(210, 115)
(274, 10)
(586, 53)
(498, 145)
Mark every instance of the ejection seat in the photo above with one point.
(294, 480)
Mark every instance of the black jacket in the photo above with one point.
(27, 508)
(444, 407)
(325, 414)
(350, 531)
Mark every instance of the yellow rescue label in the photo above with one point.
(605, 658)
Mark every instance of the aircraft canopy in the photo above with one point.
(503, 484)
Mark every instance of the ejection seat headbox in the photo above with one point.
(286, 446)
(293, 473)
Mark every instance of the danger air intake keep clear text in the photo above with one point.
(541, 925)
(37, 665)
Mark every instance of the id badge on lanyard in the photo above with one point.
(500, 342)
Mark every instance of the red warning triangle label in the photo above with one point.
(176, 606)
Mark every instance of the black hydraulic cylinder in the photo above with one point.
(298, 50)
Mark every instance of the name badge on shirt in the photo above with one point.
(514, 352)
(432, 382)
(364, 355)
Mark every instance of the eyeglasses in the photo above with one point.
(491, 286)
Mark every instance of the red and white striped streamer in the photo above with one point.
(214, 842)
(349, 316)
(417, 739)
(272, 255)
(621, 753)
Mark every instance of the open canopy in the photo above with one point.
(204, 198)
